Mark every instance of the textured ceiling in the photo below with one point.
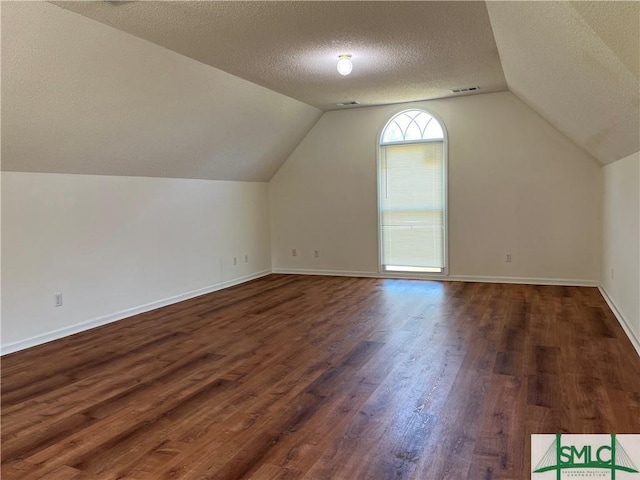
(402, 51)
(618, 26)
(82, 97)
(576, 64)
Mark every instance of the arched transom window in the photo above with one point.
(412, 126)
(412, 194)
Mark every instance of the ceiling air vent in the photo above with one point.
(347, 104)
(466, 89)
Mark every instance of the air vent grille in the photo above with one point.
(347, 104)
(465, 89)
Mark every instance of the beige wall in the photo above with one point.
(114, 246)
(516, 185)
(621, 240)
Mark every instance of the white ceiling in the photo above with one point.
(402, 51)
(82, 97)
(576, 64)
(79, 96)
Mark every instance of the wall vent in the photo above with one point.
(347, 104)
(466, 89)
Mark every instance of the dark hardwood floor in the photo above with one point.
(294, 377)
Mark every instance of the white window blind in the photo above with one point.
(412, 207)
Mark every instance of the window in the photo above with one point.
(412, 194)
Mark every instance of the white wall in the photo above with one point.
(113, 244)
(515, 185)
(81, 97)
(621, 240)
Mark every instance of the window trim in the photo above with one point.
(445, 165)
(410, 142)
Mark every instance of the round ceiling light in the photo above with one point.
(344, 64)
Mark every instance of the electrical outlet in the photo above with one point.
(507, 257)
(294, 252)
(235, 260)
(57, 299)
(316, 253)
(246, 259)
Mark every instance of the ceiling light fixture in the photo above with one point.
(344, 64)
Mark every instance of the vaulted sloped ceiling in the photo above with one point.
(402, 51)
(226, 90)
(576, 64)
(82, 97)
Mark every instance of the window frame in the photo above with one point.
(445, 183)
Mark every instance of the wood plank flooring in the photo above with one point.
(296, 377)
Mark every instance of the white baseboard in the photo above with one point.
(635, 341)
(443, 278)
(96, 322)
